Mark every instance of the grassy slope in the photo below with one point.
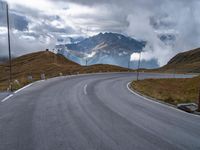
(172, 91)
(46, 62)
(186, 62)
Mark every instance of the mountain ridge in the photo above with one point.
(105, 48)
(109, 38)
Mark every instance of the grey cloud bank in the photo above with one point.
(169, 26)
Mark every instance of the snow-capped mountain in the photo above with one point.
(104, 48)
(108, 42)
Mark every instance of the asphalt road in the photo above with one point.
(93, 112)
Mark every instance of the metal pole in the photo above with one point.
(56, 51)
(129, 64)
(138, 66)
(53, 56)
(9, 47)
(86, 61)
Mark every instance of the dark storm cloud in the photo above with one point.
(161, 21)
(18, 22)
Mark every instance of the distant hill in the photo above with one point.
(48, 63)
(105, 48)
(186, 62)
(3, 59)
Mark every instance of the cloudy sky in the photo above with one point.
(169, 26)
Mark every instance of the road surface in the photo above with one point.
(93, 112)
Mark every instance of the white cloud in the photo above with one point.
(135, 57)
(26, 37)
(3, 31)
(91, 55)
(143, 19)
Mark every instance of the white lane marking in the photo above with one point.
(11, 95)
(157, 102)
(5, 99)
(23, 88)
(85, 89)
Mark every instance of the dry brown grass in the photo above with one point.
(172, 91)
(186, 62)
(48, 63)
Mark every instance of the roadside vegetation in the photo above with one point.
(173, 91)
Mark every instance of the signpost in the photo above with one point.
(138, 66)
(129, 64)
(86, 61)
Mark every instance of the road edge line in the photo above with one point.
(5, 99)
(157, 101)
(23, 88)
(19, 90)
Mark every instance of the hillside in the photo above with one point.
(186, 62)
(174, 91)
(48, 63)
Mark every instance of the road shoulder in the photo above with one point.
(153, 100)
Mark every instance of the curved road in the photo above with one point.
(93, 112)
